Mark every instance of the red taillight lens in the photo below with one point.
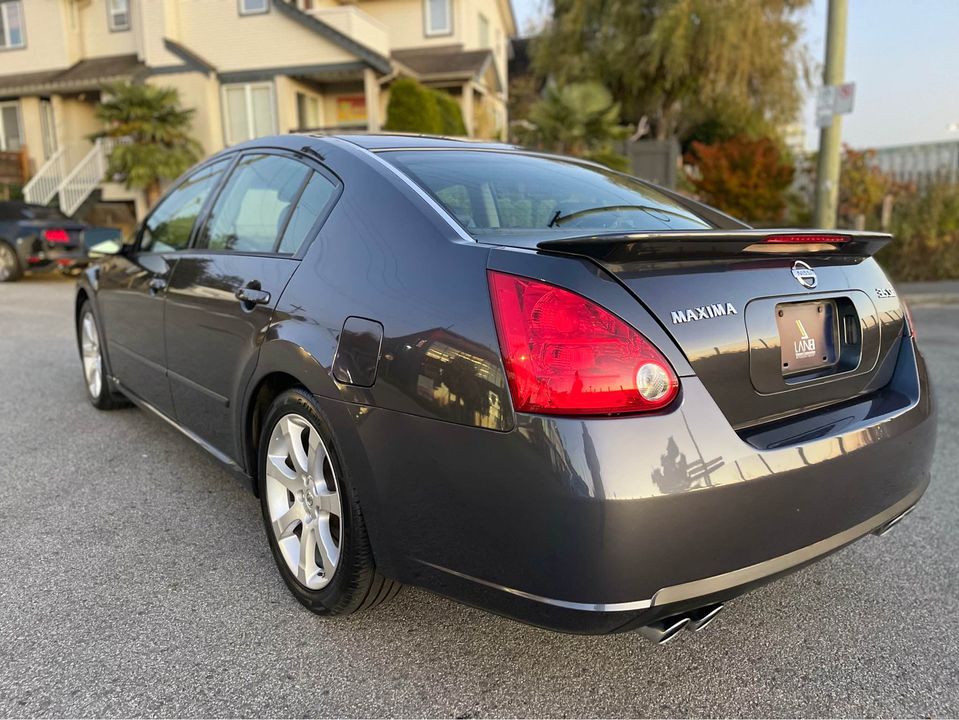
(565, 355)
(806, 239)
(56, 235)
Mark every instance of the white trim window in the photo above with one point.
(253, 7)
(11, 131)
(249, 111)
(439, 17)
(12, 34)
(118, 15)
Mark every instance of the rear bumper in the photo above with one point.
(38, 256)
(605, 525)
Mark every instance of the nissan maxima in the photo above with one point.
(520, 380)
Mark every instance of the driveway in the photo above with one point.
(136, 580)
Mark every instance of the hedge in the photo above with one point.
(418, 109)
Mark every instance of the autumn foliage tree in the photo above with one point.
(746, 178)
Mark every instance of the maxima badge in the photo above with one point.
(805, 274)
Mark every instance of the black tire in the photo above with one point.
(355, 585)
(10, 268)
(105, 398)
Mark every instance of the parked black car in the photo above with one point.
(36, 238)
(520, 380)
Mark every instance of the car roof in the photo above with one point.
(368, 141)
(409, 141)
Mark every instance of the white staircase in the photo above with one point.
(72, 173)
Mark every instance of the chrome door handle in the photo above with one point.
(252, 296)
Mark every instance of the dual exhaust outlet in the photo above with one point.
(662, 631)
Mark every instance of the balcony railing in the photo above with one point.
(357, 25)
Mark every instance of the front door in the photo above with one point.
(223, 291)
(132, 289)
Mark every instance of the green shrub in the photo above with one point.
(412, 108)
(451, 117)
(925, 224)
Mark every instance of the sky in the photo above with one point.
(903, 56)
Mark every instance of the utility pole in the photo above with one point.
(830, 138)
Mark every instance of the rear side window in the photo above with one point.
(313, 202)
(503, 192)
(255, 204)
(169, 226)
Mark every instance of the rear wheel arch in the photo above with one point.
(266, 390)
(347, 444)
(82, 297)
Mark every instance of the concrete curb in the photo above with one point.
(933, 292)
(931, 299)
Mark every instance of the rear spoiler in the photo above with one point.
(675, 244)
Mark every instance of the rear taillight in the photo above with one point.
(56, 235)
(565, 355)
(806, 239)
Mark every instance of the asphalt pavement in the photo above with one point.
(135, 579)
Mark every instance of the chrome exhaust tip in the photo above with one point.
(886, 528)
(699, 619)
(662, 631)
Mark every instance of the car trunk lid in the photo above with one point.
(55, 234)
(774, 323)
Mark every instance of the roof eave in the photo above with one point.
(369, 56)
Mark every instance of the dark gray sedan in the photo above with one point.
(524, 381)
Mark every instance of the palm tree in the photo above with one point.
(152, 134)
(578, 119)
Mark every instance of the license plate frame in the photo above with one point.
(808, 336)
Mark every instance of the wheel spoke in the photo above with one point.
(293, 432)
(284, 525)
(316, 455)
(307, 569)
(329, 502)
(277, 469)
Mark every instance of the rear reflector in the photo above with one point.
(806, 239)
(566, 355)
(910, 323)
(57, 235)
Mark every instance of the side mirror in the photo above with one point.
(102, 241)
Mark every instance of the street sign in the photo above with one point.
(844, 98)
(825, 100)
(834, 100)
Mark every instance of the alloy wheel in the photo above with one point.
(92, 358)
(303, 497)
(8, 262)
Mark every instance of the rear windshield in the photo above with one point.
(503, 192)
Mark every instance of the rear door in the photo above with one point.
(132, 288)
(223, 291)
